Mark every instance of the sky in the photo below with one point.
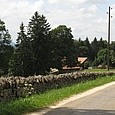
(86, 18)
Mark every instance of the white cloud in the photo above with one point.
(92, 8)
(74, 1)
(39, 5)
(97, 1)
(100, 21)
(13, 12)
(54, 1)
(83, 16)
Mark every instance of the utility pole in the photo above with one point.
(108, 57)
(108, 40)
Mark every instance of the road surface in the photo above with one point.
(97, 101)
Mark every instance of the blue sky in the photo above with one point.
(87, 18)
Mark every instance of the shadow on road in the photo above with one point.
(69, 111)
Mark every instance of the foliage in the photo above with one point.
(62, 49)
(32, 53)
(38, 49)
(102, 57)
(96, 46)
(6, 49)
(20, 62)
(38, 32)
(90, 50)
(87, 64)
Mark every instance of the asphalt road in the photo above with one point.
(99, 101)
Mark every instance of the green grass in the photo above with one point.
(35, 102)
(98, 70)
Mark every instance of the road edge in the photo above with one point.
(72, 98)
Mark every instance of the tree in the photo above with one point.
(83, 51)
(112, 46)
(88, 49)
(20, 64)
(87, 64)
(102, 44)
(102, 58)
(38, 32)
(112, 58)
(6, 49)
(83, 48)
(95, 48)
(63, 49)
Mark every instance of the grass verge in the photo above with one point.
(35, 102)
(99, 70)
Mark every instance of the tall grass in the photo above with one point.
(35, 102)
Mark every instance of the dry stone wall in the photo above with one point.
(14, 87)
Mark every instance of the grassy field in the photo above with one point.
(98, 70)
(35, 102)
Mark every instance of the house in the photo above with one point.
(81, 60)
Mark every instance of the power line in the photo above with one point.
(105, 2)
(97, 6)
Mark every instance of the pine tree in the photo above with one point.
(95, 47)
(89, 49)
(38, 31)
(20, 65)
(6, 49)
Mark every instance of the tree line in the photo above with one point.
(38, 48)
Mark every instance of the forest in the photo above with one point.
(39, 48)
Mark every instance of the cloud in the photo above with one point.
(82, 16)
(92, 8)
(97, 1)
(68, 14)
(13, 12)
(67, 3)
(39, 5)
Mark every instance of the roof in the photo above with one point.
(70, 68)
(82, 59)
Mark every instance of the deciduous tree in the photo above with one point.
(63, 48)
